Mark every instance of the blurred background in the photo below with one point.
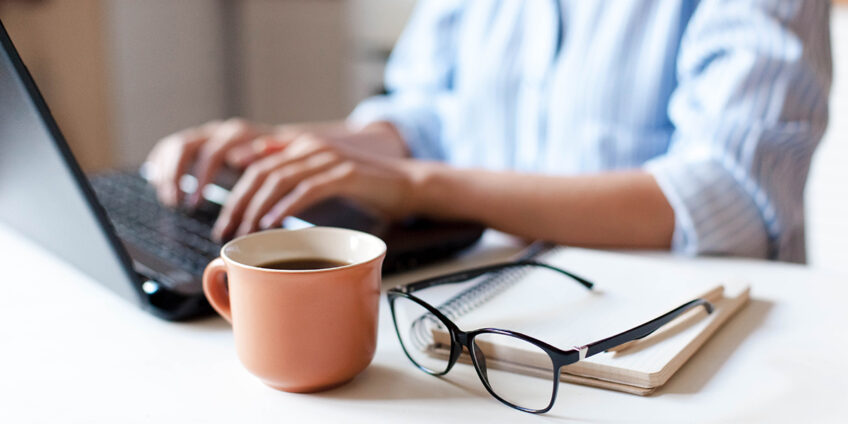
(120, 74)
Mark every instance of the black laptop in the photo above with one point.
(111, 226)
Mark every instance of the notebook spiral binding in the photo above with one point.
(462, 303)
(480, 293)
(476, 295)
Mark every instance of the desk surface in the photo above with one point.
(71, 351)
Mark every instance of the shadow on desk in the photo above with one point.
(709, 360)
(379, 382)
(213, 323)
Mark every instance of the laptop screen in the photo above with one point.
(43, 193)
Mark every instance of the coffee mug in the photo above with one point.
(300, 330)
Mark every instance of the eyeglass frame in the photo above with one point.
(559, 357)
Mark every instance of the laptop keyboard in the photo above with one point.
(174, 237)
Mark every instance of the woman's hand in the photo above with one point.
(238, 143)
(205, 149)
(312, 168)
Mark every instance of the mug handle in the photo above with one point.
(215, 288)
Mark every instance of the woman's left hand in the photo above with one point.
(309, 169)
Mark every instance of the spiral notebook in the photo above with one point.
(629, 290)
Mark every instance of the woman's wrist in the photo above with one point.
(418, 175)
(381, 138)
(391, 142)
(434, 190)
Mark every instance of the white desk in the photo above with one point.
(72, 352)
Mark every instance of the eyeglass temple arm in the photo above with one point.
(476, 272)
(645, 329)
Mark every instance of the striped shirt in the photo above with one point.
(722, 101)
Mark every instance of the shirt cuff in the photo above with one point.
(713, 214)
(418, 125)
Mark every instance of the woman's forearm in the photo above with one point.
(620, 209)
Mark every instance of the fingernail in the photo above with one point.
(176, 200)
(242, 230)
(266, 222)
(216, 234)
(163, 199)
(170, 197)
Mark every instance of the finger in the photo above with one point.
(244, 154)
(171, 162)
(244, 189)
(153, 174)
(211, 154)
(279, 183)
(165, 159)
(336, 181)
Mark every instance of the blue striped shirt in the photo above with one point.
(722, 101)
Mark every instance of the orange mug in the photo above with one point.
(300, 330)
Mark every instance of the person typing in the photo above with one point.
(676, 125)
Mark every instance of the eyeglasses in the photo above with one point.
(434, 343)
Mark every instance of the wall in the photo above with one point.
(167, 66)
(62, 45)
(375, 26)
(292, 60)
(181, 63)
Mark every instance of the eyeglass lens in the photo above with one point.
(424, 337)
(496, 355)
(426, 340)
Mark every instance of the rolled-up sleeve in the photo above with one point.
(749, 109)
(418, 80)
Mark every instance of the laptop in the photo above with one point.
(111, 226)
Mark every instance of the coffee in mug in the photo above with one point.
(303, 263)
